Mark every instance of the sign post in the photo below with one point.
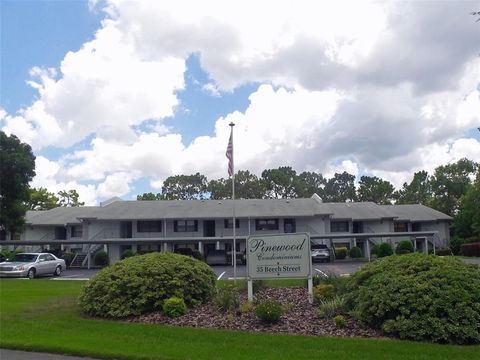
(285, 256)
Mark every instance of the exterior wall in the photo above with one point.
(37, 232)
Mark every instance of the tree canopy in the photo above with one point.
(17, 168)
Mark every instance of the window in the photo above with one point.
(76, 231)
(185, 225)
(60, 233)
(400, 227)
(416, 227)
(149, 226)
(228, 223)
(289, 226)
(339, 226)
(266, 224)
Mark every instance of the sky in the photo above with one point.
(114, 96)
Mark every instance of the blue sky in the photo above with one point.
(116, 96)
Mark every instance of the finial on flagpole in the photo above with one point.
(231, 124)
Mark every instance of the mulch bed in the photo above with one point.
(299, 318)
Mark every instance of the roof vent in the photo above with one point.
(110, 201)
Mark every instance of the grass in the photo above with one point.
(42, 315)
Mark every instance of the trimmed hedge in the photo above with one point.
(140, 284)
(101, 258)
(341, 252)
(384, 249)
(419, 297)
(404, 247)
(355, 252)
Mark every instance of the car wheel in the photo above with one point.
(31, 273)
(58, 271)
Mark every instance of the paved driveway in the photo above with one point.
(339, 268)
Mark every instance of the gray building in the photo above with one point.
(207, 225)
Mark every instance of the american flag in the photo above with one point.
(229, 154)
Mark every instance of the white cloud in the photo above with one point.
(386, 88)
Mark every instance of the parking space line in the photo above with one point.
(321, 272)
(238, 278)
(69, 279)
(221, 275)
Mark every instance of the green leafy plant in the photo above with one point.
(128, 253)
(68, 257)
(340, 322)
(384, 249)
(404, 247)
(197, 255)
(355, 252)
(419, 297)
(330, 308)
(140, 284)
(341, 252)
(228, 298)
(101, 258)
(323, 292)
(269, 311)
(174, 307)
(246, 307)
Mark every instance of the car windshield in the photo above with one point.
(24, 258)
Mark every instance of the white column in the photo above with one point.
(200, 247)
(367, 243)
(426, 246)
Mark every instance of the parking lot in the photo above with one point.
(339, 268)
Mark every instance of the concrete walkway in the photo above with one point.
(27, 355)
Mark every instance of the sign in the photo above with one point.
(279, 256)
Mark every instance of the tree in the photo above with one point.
(69, 198)
(376, 190)
(42, 199)
(340, 188)
(449, 183)
(150, 196)
(280, 183)
(310, 183)
(419, 191)
(467, 222)
(185, 187)
(220, 189)
(17, 168)
(247, 186)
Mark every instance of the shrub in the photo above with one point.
(384, 249)
(316, 280)
(174, 307)
(140, 284)
(470, 249)
(341, 252)
(332, 307)
(323, 292)
(128, 253)
(340, 322)
(197, 255)
(269, 311)
(101, 258)
(355, 252)
(444, 252)
(419, 297)
(228, 298)
(246, 307)
(404, 247)
(68, 257)
(375, 249)
(258, 284)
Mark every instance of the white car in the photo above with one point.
(31, 265)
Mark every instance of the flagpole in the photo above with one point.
(234, 249)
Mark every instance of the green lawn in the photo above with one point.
(42, 315)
